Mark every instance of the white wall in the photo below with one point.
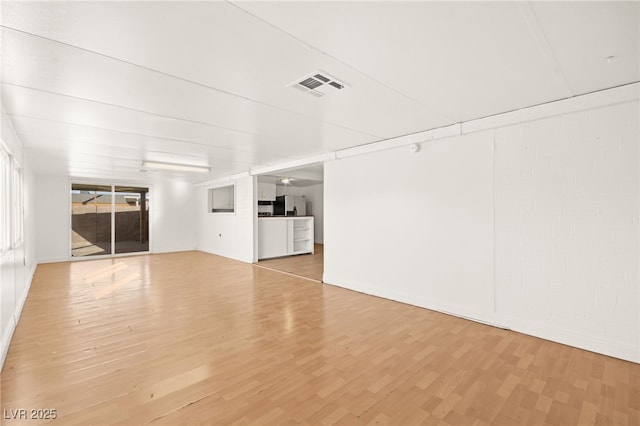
(529, 225)
(52, 220)
(228, 234)
(288, 190)
(414, 227)
(566, 214)
(315, 204)
(18, 264)
(172, 217)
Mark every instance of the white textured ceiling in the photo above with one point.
(94, 88)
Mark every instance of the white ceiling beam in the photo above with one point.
(416, 138)
(617, 95)
(293, 164)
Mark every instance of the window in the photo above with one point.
(5, 200)
(11, 201)
(222, 199)
(18, 205)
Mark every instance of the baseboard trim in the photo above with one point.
(227, 255)
(53, 260)
(6, 340)
(23, 299)
(488, 318)
(540, 330)
(173, 250)
(572, 338)
(11, 328)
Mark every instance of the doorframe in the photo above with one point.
(278, 170)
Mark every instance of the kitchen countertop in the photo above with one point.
(283, 217)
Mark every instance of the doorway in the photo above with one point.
(107, 220)
(299, 186)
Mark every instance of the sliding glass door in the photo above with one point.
(108, 219)
(132, 219)
(90, 220)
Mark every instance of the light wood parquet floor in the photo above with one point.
(191, 338)
(305, 265)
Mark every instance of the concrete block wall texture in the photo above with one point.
(228, 234)
(531, 225)
(415, 227)
(566, 214)
(96, 227)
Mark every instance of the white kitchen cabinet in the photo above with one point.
(272, 237)
(284, 236)
(300, 233)
(266, 191)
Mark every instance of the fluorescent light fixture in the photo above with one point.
(286, 180)
(175, 167)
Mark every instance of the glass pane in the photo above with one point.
(90, 220)
(132, 219)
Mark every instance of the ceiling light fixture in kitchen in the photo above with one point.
(286, 180)
(175, 167)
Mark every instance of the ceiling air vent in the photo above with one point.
(317, 84)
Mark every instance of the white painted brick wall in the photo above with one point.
(566, 223)
(539, 234)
